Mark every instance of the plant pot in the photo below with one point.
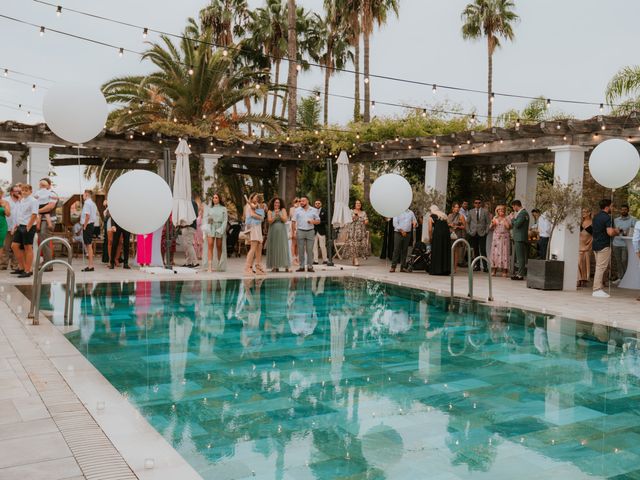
(545, 274)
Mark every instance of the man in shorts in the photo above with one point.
(22, 244)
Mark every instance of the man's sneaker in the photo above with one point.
(17, 272)
(310, 269)
(600, 294)
(25, 275)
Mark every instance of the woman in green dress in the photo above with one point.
(214, 226)
(277, 240)
(5, 211)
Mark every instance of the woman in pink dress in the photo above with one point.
(500, 225)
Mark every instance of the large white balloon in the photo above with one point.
(75, 113)
(614, 163)
(140, 201)
(390, 195)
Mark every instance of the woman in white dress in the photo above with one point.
(215, 218)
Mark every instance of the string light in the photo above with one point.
(366, 79)
(225, 52)
(424, 112)
(33, 87)
(121, 52)
(42, 31)
(373, 104)
(299, 67)
(548, 102)
(58, 11)
(434, 89)
(190, 70)
(493, 97)
(317, 96)
(6, 72)
(518, 123)
(601, 107)
(145, 32)
(343, 70)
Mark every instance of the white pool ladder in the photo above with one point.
(34, 309)
(471, 266)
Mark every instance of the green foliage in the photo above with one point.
(560, 203)
(309, 113)
(492, 19)
(535, 112)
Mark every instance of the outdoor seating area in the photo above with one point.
(276, 239)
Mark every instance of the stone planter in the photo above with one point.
(545, 274)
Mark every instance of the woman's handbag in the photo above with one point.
(454, 236)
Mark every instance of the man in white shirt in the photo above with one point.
(303, 223)
(88, 219)
(22, 243)
(544, 231)
(8, 260)
(403, 224)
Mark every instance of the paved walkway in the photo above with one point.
(53, 423)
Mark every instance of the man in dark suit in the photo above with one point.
(478, 224)
(320, 240)
(520, 229)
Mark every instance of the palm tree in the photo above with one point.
(268, 29)
(292, 53)
(372, 12)
(192, 88)
(491, 19)
(309, 112)
(624, 89)
(336, 49)
(227, 19)
(352, 10)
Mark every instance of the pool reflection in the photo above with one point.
(346, 378)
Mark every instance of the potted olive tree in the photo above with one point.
(559, 203)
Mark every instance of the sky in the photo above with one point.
(563, 49)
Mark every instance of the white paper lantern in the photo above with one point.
(75, 113)
(614, 163)
(140, 201)
(390, 195)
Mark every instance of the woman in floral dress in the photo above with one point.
(357, 243)
(500, 225)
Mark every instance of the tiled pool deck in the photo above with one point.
(60, 419)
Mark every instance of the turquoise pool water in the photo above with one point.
(354, 379)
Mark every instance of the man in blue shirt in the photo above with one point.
(303, 222)
(403, 224)
(603, 230)
(624, 223)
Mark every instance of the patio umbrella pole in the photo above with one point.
(329, 215)
(167, 176)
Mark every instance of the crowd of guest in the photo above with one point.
(294, 237)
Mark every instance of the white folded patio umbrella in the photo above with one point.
(183, 213)
(341, 210)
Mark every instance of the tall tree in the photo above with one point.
(352, 10)
(227, 20)
(268, 32)
(336, 51)
(492, 19)
(292, 53)
(624, 89)
(373, 12)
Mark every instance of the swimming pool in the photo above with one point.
(344, 378)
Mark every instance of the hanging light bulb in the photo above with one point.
(424, 112)
(121, 52)
(434, 89)
(191, 70)
(317, 96)
(373, 104)
(518, 123)
(130, 111)
(601, 107)
(28, 113)
(493, 97)
(257, 86)
(473, 118)
(145, 32)
(6, 72)
(548, 102)
(299, 67)
(42, 31)
(225, 52)
(204, 116)
(58, 11)
(33, 87)
(366, 79)
(559, 126)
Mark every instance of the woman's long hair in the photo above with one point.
(219, 198)
(272, 203)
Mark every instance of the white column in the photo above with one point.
(436, 176)
(210, 161)
(526, 181)
(569, 168)
(39, 162)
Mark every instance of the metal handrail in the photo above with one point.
(69, 296)
(453, 261)
(471, 265)
(37, 284)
